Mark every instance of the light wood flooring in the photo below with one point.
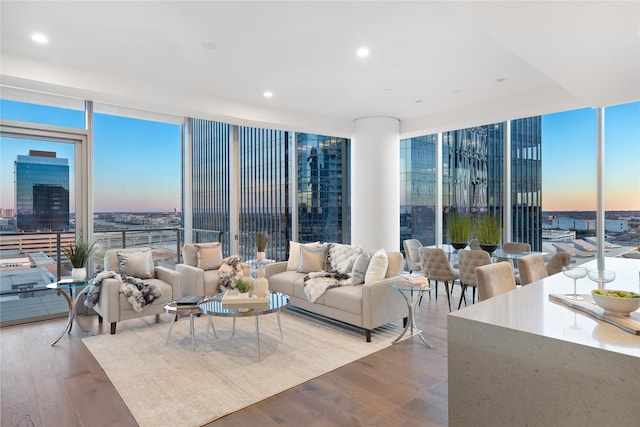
(63, 385)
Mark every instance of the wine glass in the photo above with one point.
(601, 277)
(574, 273)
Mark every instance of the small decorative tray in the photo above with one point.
(630, 324)
(234, 300)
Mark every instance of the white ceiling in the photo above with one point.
(434, 65)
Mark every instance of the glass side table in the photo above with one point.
(258, 263)
(70, 285)
(405, 287)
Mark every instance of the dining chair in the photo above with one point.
(435, 266)
(557, 261)
(468, 261)
(474, 244)
(494, 279)
(412, 254)
(531, 268)
(514, 248)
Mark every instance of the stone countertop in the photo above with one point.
(528, 309)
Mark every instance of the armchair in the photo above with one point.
(113, 306)
(201, 268)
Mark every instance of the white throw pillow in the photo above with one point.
(136, 264)
(209, 258)
(312, 259)
(360, 267)
(377, 267)
(294, 254)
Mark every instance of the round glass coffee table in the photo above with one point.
(212, 306)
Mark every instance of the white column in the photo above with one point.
(375, 183)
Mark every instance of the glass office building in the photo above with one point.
(265, 198)
(41, 192)
(473, 179)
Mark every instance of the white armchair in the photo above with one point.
(200, 269)
(113, 306)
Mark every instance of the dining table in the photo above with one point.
(523, 358)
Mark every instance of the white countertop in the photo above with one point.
(528, 309)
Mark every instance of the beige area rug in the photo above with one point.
(172, 385)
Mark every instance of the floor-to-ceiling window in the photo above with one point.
(418, 189)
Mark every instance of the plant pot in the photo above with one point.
(243, 294)
(79, 274)
(457, 246)
(260, 256)
(489, 248)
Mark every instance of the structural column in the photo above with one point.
(375, 183)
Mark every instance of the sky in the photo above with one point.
(137, 162)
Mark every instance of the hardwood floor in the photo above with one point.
(63, 385)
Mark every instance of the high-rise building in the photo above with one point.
(42, 192)
(264, 179)
(473, 179)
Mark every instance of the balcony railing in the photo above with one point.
(30, 261)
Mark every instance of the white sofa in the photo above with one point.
(200, 276)
(368, 305)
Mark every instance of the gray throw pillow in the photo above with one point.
(360, 268)
(136, 264)
(312, 259)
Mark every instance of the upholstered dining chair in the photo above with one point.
(412, 254)
(557, 261)
(468, 261)
(436, 267)
(514, 248)
(531, 268)
(494, 279)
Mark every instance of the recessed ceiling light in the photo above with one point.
(268, 94)
(363, 52)
(418, 101)
(39, 38)
(501, 80)
(209, 45)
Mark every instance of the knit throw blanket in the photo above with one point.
(317, 283)
(139, 293)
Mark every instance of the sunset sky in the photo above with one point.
(137, 162)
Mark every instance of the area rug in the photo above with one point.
(173, 385)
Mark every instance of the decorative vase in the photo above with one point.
(260, 256)
(261, 284)
(489, 248)
(78, 274)
(458, 245)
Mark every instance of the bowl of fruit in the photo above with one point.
(616, 302)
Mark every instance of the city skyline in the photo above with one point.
(568, 159)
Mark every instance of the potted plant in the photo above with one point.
(242, 286)
(78, 255)
(261, 245)
(488, 232)
(459, 228)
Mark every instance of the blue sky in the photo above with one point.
(137, 162)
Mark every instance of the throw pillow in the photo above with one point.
(190, 252)
(294, 254)
(136, 264)
(312, 259)
(360, 267)
(209, 258)
(377, 267)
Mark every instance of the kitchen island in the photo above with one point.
(519, 359)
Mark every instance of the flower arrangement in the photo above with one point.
(488, 230)
(459, 227)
